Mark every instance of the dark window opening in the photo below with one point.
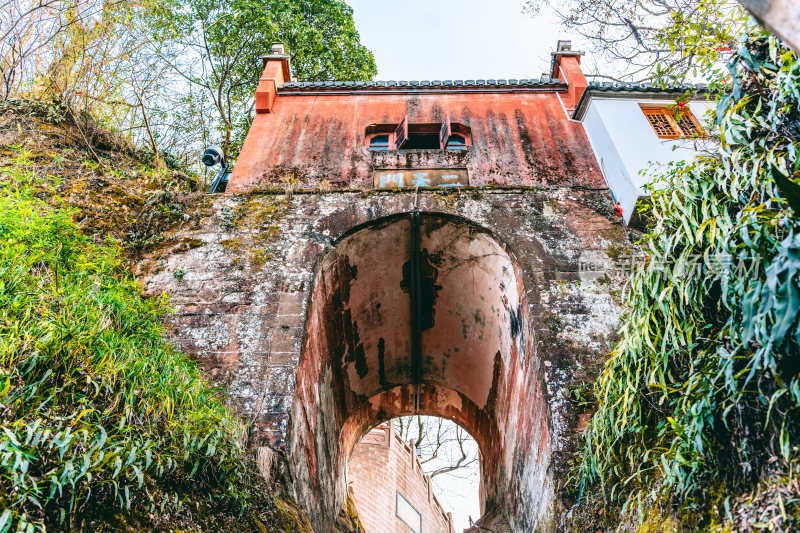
(421, 141)
(379, 142)
(422, 136)
(457, 142)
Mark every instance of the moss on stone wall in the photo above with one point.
(115, 189)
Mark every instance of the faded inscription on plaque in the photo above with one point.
(411, 179)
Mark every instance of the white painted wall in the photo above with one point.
(624, 144)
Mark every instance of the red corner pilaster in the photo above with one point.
(276, 73)
(566, 66)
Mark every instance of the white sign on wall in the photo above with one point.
(408, 514)
(444, 178)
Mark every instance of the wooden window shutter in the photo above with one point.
(662, 123)
(401, 133)
(688, 124)
(445, 133)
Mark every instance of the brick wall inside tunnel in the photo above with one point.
(380, 467)
(243, 309)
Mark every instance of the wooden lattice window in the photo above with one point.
(669, 124)
(688, 124)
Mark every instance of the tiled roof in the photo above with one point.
(423, 85)
(633, 89)
(646, 87)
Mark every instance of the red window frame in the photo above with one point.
(368, 139)
(401, 133)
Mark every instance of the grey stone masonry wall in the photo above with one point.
(239, 274)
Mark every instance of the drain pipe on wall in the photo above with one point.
(580, 497)
(416, 298)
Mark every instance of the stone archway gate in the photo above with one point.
(260, 303)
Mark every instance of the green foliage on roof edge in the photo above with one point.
(699, 402)
(100, 416)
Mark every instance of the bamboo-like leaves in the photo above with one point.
(702, 374)
(91, 395)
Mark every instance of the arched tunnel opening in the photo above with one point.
(417, 473)
(422, 313)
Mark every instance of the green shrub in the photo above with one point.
(703, 389)
(98, 411)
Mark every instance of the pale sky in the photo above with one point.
(450, 39)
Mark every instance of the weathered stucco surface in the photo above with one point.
(299, 308)
(518, 139)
